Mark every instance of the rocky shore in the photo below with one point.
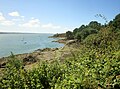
(30, 58)
(61, 40)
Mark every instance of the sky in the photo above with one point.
(53, 16)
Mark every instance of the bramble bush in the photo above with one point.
(89, 71)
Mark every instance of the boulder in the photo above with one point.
(29, 59)
(2, 65)
(71, 42)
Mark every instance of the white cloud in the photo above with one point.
(1, 17)
(7, 23)
(32, 17)
(22, 16)
(20, 19)
(68, 29)
(15, 14)
(31, 23)
(4, 21)
(50, 26)
(16, 19)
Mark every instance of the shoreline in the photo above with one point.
(2, 57)
(32, 57)
(58, 41)
(41, 54)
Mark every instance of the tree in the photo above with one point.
(75, 31)
(116, 21)
(95, 25)
(78, 36)
(69, 35)
(82, 27)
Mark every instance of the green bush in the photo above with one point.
(96, 64)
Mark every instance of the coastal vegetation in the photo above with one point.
(95, 64)
(60, 35)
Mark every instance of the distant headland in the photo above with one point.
(16, 33)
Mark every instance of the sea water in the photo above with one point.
(25, 43)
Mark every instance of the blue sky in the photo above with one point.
(53, 16)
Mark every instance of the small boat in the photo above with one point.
(22, 39)
(25, 42)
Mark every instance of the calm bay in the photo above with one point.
(25, 43)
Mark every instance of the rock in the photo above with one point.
(71, 42)
(29, 59)
(46, 49)
(38, 50)
(54, 41)
(25, 60)
(54, 49)
(60, 41)
(2, 65)
(42, 50)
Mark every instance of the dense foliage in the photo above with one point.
(95, 65)
(83, 31)
(69, 35)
